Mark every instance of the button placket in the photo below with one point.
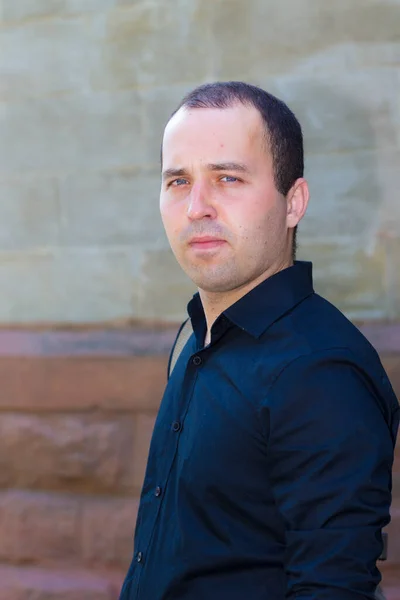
(159, 492)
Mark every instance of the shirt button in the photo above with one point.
(157, 492)
(139, 557)
(197, 361)
(176, 426)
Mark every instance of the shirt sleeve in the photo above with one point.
(331, 454)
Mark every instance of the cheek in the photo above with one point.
(259, 223)
(172, 221)
(252, 213)
(270, 209)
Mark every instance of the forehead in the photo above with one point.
(208, 134)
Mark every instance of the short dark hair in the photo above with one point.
(283, 131)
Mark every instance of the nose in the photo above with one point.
(201, 204)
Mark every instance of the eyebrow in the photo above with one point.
(174, 173)
(227, 166)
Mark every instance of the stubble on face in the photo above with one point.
(250, 217)
(240, 263)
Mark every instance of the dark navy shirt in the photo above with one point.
(269, 472)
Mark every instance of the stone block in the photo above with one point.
(344, 111)
(391, 244)
(387, 173)
(394, 538)
(282, 38)
(396, 473)
(36, 583)
(65, 452)
(29, 213)
(75, 530)
(82, 383)
(26, 280)
(103, 209)
(14, 12)
(275, 38)
(153, 44)
(390, 584)
(57, 285)
(345, 57)
(392, 367)
(107, 531)
(35, 527)
(144, 425)
(49, 56)
(351, 195)
(158, 104)
(160, 295)
(72, 132)
(349, 274)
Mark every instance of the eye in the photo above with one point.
(178, 182)
(229, 179)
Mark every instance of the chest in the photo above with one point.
(209, 433)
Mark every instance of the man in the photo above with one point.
(269, 472)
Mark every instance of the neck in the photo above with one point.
(214, 303)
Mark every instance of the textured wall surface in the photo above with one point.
(86, 87)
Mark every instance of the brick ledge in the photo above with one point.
(137, 340)
(59, 583)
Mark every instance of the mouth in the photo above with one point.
(206, 243)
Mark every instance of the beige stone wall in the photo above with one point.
(86, 86)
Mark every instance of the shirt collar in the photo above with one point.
(263, 305)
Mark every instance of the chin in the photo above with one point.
(214, 289)
(220, 279)
(211, 285)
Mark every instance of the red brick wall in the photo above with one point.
(76, 415)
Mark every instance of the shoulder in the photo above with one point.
(332, 387)
(324, 326)
(316, 332)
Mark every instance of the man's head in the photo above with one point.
(232, 160)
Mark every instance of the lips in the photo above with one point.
(205, 239)
(206, 242)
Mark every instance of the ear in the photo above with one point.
(297, 202)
